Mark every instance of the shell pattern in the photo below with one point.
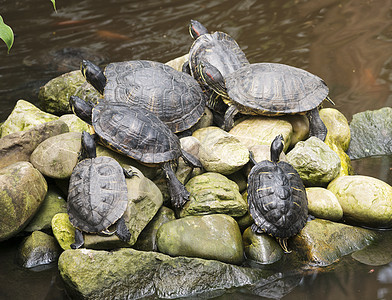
(277, 199)
(274, 89)
(175, 97)
(97, 195)
(135, 132)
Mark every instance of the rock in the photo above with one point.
(371, 133)
(323, 242)
(206, 120)
(23, 117)
(91, 274)
(178, 62)
(365, 200)
(213, 193)
(338, 137)
(240, 179)
(74, 123)
(212, 237)
(18, 146)
(144, 200)
(22, 191)
(147, 238)
(263, 152)
(184, 172)
(57, 156)
(54, 95)
(323, 204)
(300, 124)
(260, 130)
(220, 151)
(38, 249)
(261, 248)
(316, 163)
(63, 230)
(53, 204)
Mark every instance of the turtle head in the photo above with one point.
(276, 148)
(196, 29)
(83, 109)
(212, 77)
(88, 146)
(93, 75)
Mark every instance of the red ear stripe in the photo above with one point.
(198, 34)
(209, 75)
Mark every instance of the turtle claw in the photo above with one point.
(122, 230)
(130, 173)
(79, 240)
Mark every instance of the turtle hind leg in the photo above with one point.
(178, 193)
(191, 160)
(122, 230)
(317, 127)
(79, 240)
(229, 117)
(283, 243)
(130, 173)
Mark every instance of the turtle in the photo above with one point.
(137, 133)
(97, 194)
(276, 197)
(270, 89)
(218, 49)
(175, 97)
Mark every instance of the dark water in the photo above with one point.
(347, 43)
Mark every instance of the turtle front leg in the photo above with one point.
(79, 240)
(229, 117)
(178, 193)
(122, 230)
(130, 173)
(317, 127)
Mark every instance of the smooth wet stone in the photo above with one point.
(57, 156)
(300, 124)
(323, 242)
(338, 136)
(144, 200)
(53, 204)
(220, 151)
(54, 95)
(365, 200)
(323, 204)
(23, 117)
(74, 123)
(371, 133)
(206, 120)
(63, 230)
(240, 179)
(261, 248)
(177, 62)
(18, 146)
(132, 274)
(259, 130)
(316, 163)
(211, 237)
(147, 238)
(22, 191)
(38, 249)
(376, 254)
(213, 193)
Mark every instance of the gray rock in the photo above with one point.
(323, 204)
(147, 238)
(53, 204)
(213, 193)
(316, 163)
(23, 117)
(220, 151)
(91, 274)
(261, 248)
(22, 191)
(54, 95)
(371, 133)
(323, 242)
(18, 146)
(57, 156)
(38, 249)
(212, 237)
(365, 200)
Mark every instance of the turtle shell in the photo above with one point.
(97, 195)
(274, 89)
(135, 132)
(175, 97)
(220, 50)
(277, 199)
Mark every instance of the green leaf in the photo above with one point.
(54, 5)
(6, 34)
